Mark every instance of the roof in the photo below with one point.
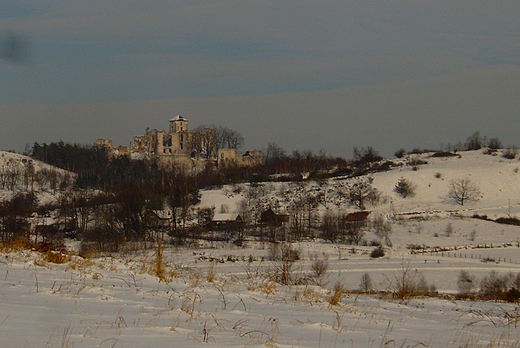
(179, 118)
(225, 217)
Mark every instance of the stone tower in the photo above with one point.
(178, 124)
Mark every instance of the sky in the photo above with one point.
(306, 75)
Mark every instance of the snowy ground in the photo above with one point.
(112, 302)
(220, 295)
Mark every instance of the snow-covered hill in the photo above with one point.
(498, 180)
(420, 219)
(23, 173)
(496, 177)
(226, 296)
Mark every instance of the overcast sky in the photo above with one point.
(307, 75)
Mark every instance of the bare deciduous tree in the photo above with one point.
(466, 283)
(361, 191)
(382, 229)
(474, 141)
(462, 190)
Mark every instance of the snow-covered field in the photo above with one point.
(221, 295)
(112, 302)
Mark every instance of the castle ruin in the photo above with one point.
(182, 146)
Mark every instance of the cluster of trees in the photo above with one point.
(494, 286)
(15, 173)
(135, 190)
(475, 141)
(128, 212)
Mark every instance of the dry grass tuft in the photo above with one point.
(56, 257)
(265, 286)
(79, 263)
(308, 295)
(336, 294)
(211, 275)
(16, 245)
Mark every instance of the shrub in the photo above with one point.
(368, 155)
(360, 191)
(366, 283)
(495, 285)
(56, 257)
(444, 154)
(400, 153)
(284, 256)
(319, 267)
(466, 283)
(513, 295)
(510, 153)
(449, 229)
(377, 252)
(405, 188)
(408, 284)
(474, 141)
(382, 229)
(494, 143)
(508, 221)
(336, 294)
(414, 162)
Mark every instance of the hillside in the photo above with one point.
(23, 173)
(429, 210)
(227, 296)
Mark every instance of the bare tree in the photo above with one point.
(466, 283)
(474, 141)
(274, 152)
(462, 190)
(330, 226)
(226, 138)
(382, 229)
(494, 143)
(360, 190)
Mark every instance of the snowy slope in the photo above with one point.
(497, 178)
(13, 162)
(221, 295)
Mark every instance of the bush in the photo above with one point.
(408, 284)
(400, 153)
(319, 267)
(494, 143)
(336, 294)
(405, 188)
(368, 155)
(495, 285)
(510, 153)
(377, 252)
(414, 162)
(444, 154)
(508, 221)
(382, 229)
(366, 283)
(466, 283)
(449, 229)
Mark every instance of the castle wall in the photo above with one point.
(182, 147)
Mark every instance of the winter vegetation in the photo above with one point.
(302, 251)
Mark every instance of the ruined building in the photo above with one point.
(178, 140)
(181, 145)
